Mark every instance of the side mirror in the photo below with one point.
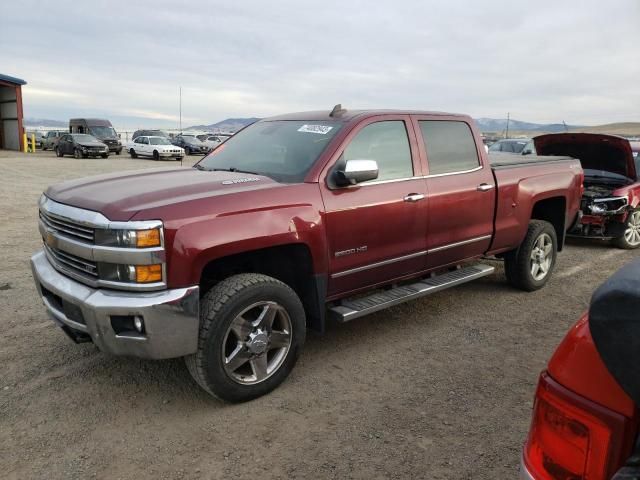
(119, 135)
(356, 171)
(527, 152)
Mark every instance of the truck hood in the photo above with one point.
(120, 196)
(595, 151)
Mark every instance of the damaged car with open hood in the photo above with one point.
(610, 207)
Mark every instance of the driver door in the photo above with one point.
(376, 229)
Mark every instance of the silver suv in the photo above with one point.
(51, 140)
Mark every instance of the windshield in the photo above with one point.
(159, 141)
(83, 137)
(192, 140)
(103, 131)
(283, 150)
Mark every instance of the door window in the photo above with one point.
(450, 146)
(388, 144)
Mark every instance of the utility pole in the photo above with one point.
(508, 117)
(566, 129)
(180, 108)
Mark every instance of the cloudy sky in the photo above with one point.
(543, 61)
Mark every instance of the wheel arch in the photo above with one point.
(291, 263)
(552, 210)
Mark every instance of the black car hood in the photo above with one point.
(91, 144)
(614, 321)
(594, 150)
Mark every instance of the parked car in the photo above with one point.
(190, 144)
(155, 147)
(211, 141)
(100, 129)
(81, 145)
(585, 414)
(51, 139)
(38, 136)
(300, 218)
(610, 208)
(150, 133)
(511, 145)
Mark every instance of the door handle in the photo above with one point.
(413, 197)
(484, 187)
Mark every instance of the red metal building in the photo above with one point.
(11, 128)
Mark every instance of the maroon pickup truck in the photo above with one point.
(610, 208)
(230, 262)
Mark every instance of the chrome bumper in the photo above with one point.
(171, 319)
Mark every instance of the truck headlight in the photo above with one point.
(129, 238)
(130, 273)
(608, 206)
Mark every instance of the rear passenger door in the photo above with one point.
(461, 191)
(376, 229)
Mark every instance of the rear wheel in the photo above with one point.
(58, 152)
(133, 153)
(156, 155)
(529, 266)
(631, 236)
(252, 328)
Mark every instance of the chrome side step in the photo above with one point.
(360, 306)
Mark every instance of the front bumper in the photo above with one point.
(171, 319)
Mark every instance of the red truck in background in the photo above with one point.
(610, 207)
(344, 212)
(585, 415)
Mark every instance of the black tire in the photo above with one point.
(133, 153)
(118, 152)
(187, 151)
(179, 159)
(105, 155)
(219, 307)
(156, 155)
(629, 239)
(58, 152)
(518, 263)
(77, 153)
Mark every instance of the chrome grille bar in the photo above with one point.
(78, 264)
(67, 226)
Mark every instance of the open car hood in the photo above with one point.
(594, 150)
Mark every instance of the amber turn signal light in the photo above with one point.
(148, 273)
(148, 238)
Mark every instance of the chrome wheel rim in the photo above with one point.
(541, 257)
(256, 343)
(632, 233)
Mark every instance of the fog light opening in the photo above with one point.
(138, 323)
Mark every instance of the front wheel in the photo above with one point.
(252, 329)
(77, 153)
(104, 155)
(187, 151)
(58, 152)
(156, 155)
(529, 266)
(119, 151)
(630, 239)
(133, 153)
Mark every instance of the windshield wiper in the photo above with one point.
(199, 167)
(235, 170)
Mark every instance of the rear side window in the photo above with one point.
(450, 146)
(388, 144)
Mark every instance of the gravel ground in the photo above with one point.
(439, 388)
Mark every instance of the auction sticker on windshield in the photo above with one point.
(321, 129)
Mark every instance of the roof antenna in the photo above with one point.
(337, 110)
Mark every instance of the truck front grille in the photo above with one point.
(71, 262)
(67, 227)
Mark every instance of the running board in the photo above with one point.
(360, 306)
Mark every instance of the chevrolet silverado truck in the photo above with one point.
(610, 207)
(295, 220)
(585, 415)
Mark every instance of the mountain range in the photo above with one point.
(228, 125)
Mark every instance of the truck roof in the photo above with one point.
(347, 115)
(94, 121)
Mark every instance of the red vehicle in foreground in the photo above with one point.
(610, 207)
(346, 213)
(585, 415)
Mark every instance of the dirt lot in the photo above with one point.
(439, 388)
